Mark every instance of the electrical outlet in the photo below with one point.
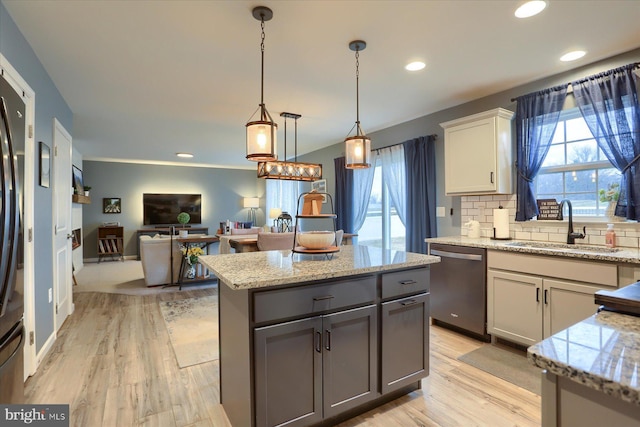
(440, 213)
(50, 295)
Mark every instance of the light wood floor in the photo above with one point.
(113, 363)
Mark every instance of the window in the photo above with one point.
(283, 195)
(575, 168)
(382, 226)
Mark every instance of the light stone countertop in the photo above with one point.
(592, 252)
(260, 269)
(601, 352)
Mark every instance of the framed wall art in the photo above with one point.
(45, 165)
(111, 205)
(78, 184)
(321, 187)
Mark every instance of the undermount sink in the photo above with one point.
(563, 247)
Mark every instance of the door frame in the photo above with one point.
(29, 97)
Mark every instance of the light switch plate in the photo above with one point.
(440, 212)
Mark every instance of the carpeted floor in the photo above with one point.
(193, 329)
(506, 363)
(120, 277)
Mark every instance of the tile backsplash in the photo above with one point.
(480, 208)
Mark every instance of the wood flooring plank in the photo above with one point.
(114, 364)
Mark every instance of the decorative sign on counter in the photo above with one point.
(549, 209)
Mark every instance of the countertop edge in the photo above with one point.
(627, 393)
(624, 255)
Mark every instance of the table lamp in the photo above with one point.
(274, 213)
(252, 203)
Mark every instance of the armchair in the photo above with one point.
(155, 254)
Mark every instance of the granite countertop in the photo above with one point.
(601, 352)
(271, 268)
(597, 253)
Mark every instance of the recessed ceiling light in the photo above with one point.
(186, 155)
(415, 66)
(572, 56)
(530, 8)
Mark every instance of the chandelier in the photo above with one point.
(358, 147)
(287, 170)
(261, 133)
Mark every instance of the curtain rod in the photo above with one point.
(434, 135)
(570, 88)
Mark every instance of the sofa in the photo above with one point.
(155, 255)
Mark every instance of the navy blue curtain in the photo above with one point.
(419, 154)
(609, 104)
(344, 195)
(537, 117)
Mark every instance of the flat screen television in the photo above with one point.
(163, 209)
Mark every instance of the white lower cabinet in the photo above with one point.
(525, 309)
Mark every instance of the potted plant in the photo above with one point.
(610, 195)
(86, 190)
(184, 218)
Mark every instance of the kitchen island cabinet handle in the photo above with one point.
(328, 344)
(407, 282)
(492, 177)
(537, 294)
(318, 341)
(323, 298)
(410, 302)
(546, 293)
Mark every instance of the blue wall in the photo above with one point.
(49, 104)
(222, 192)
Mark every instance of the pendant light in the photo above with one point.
(358, 147)
(285, 169)
(261, 133)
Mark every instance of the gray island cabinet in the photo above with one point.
(308, 341)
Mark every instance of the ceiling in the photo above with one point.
(148, 79)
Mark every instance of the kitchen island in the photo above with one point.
(307, 340)
(592, 372)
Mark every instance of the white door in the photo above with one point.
(62, 224)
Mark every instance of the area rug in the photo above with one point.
(510, 365)
(193, 329)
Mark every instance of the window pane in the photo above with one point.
(548, 184)
(582, 152)
(577, 129)
(558, 136)
(397, 232)
(370, 233)
(580, 181)
(555, 156)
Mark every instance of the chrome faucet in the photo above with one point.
(571, 236)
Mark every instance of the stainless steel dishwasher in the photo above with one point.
(459, 288)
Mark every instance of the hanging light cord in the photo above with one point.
(262, 113)
(357, 92)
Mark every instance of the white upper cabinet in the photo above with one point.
(478, 154)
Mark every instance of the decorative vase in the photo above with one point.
(191, 271)
(610, 212)
(184, 233)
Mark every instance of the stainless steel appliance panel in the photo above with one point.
(458, 287)
(12, 140)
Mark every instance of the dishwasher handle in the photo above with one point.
(457, 255)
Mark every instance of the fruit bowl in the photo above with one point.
(316, 239)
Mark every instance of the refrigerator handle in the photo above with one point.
(17, 331)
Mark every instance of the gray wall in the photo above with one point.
(450, 225)
(49, 104)
(222, 192)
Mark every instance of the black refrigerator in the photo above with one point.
(12, 334)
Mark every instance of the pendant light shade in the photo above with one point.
(262, 133)
(358, 147)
